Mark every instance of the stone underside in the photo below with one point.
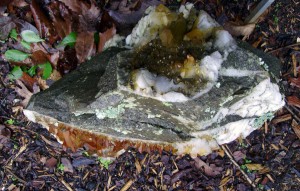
(91, 106)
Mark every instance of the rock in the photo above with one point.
(96, 105)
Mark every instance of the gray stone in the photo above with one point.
(186, 94)
(91, 106)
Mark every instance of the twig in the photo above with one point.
(236, 164)
(288, 46)
(66, 185)
(10, 172)
(293, 114)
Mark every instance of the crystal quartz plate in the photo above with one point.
(181, 83)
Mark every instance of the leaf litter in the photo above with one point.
(31, 158)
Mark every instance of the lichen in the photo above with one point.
(258, 122)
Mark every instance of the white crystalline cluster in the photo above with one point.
(204, 21)
(210, 65)
(186, 9)
(160, 87)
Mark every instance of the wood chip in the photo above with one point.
(294, 61)
(66, 185)
(127, 185)
(296, 128)
(282, 118)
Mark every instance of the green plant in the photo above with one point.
(85, 153)
(104, 162)
(60, 167)
(10, 122)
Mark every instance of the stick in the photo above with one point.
(288, 46)
(293, 114)
(236, 164)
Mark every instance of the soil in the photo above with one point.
(268, 159)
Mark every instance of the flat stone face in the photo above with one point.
(111, 103)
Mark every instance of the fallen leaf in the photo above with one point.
(67, 165)
(105, 36)
(39, 57)
(293, 101)
(239, 30)
(5, 131)
(257, 167)
(82, 161)
(51, 162)
(22, 91)
(209, 170)
(296, 128)
(295, 82)
(6, 25)
(238, 155)
(128, 16)
(43, 23)
(84, 45)
(62, 18)
(74, 5)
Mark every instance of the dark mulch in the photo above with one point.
(31, 159)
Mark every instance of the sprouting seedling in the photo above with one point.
(104, 162)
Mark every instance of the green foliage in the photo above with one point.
(69, 40)
(16, 73)
(25, 45)
(60, 167)
(32, 71)
(30, 36)
(47, 70)
(104, 162)
(10, 122)
(13, 34)
(15, 55)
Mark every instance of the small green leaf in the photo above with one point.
(15, 55)
(47, 70)
(60, 167)
(32, 71)
(69, 40)
(30, 36)
(104, 162)
(10, 122)
(16, 73)
(13, 34)
(25, 45)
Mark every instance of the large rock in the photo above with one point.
(102, 107)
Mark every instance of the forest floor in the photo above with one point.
(31, 158)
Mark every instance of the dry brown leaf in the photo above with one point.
(84, 45)
(209, 170)
(74, 5)
(62, 19)
(293, 101)
(23, 92)
(254, 166)
(295, 82)
(105, 36)
(42, 22)
(239, 30)
(238, 155)
(39, 57)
